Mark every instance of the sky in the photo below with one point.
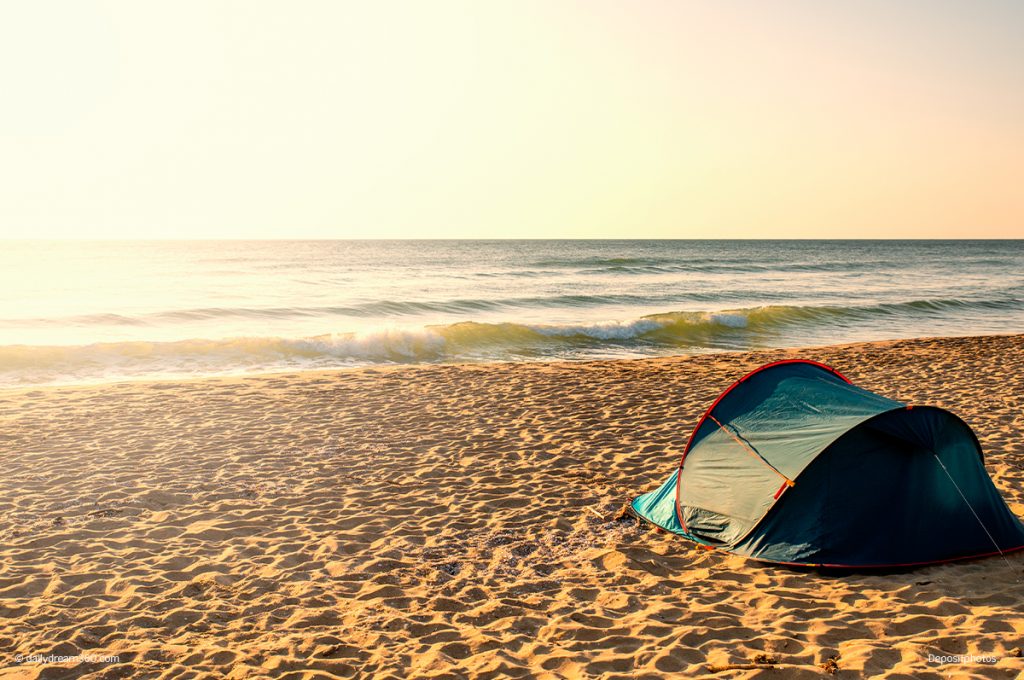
(511, 119)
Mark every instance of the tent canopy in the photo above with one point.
(795, 464)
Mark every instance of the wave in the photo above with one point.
(390, 309)
(472, 341)
(675, 265)
(379, 308)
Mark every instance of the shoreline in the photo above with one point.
(458, 520)
(375, 368)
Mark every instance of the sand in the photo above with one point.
(457, 521)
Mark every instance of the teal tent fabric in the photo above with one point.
(794, 464)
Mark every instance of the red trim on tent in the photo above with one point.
(689, 442)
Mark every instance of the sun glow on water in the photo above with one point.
(74, 312)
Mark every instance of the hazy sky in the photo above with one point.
(512, 119)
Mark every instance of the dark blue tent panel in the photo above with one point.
(794, 464)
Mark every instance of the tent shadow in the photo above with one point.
(842, 572)
(837, 572)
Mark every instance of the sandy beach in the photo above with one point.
(458, 521)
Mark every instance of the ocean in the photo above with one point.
(99, 311)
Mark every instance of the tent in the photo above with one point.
(794, 464)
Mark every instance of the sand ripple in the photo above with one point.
(457, 522)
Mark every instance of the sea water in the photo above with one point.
(93, 311)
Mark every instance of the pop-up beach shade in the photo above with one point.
(795, 464)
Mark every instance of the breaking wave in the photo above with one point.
(464, 341)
